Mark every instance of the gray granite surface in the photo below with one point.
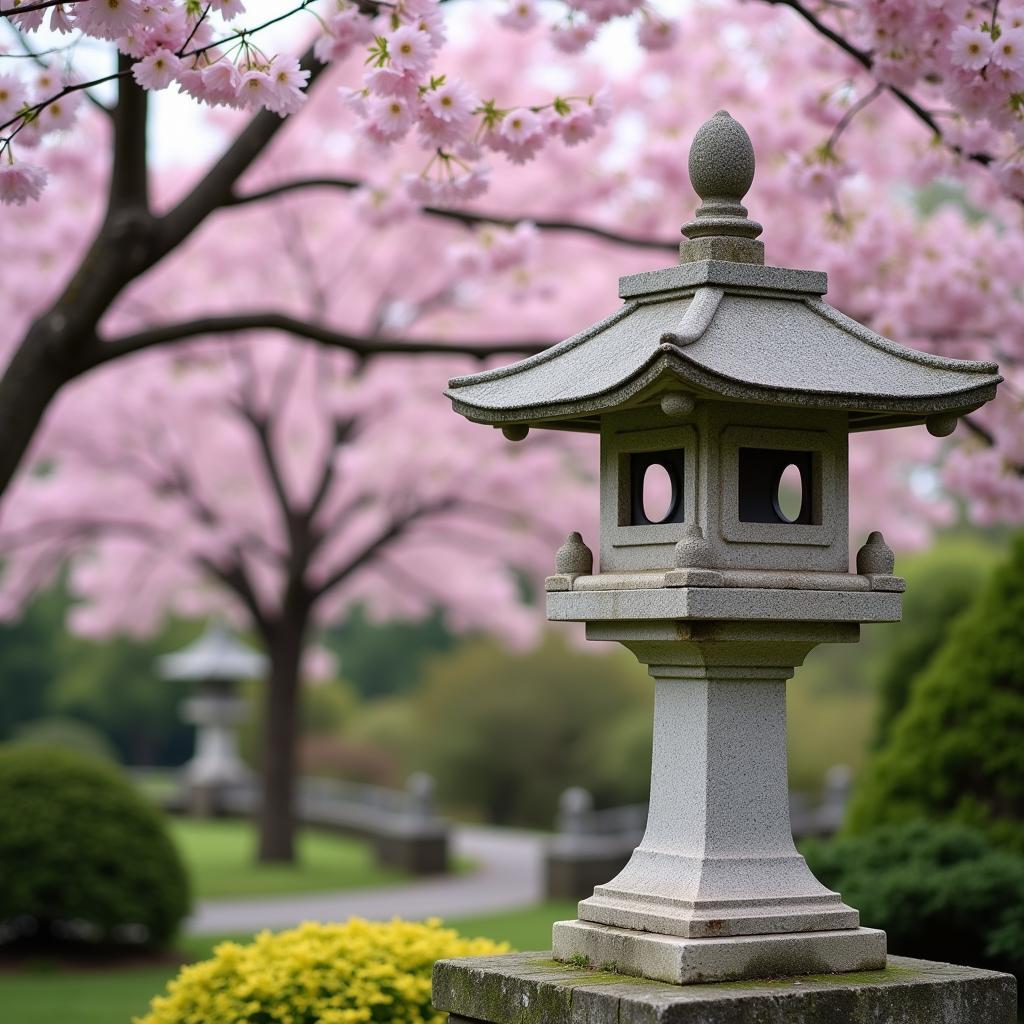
(530, 988)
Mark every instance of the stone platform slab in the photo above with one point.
(531, 988)
(692, 961)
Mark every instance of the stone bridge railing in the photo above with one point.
(403, 825)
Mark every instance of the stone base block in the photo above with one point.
(531, 988)
(690, 961)
(417, 854)
(569, 876)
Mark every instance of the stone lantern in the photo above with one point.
(729, 380)
(217, 662)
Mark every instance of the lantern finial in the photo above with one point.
(721, 170)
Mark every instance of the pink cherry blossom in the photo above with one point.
(410, 50)
(388, 117)
(256, 88)
(60, 114)
(574, 36)
(13, 96)
(1008, 50)
(20, 182)
(158, 70)
(970, 48)
(521, 15)
(343, 31)
(1011, 176)
(654, 33)
(220, 83)
(288, 80)
(229, 9)
(453, 101)
(106, 19)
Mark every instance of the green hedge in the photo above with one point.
(940, 891)
(83, 857)
(955, 751)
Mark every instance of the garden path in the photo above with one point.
(508, 874)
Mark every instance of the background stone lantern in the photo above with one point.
(728, 378)
(217, 661)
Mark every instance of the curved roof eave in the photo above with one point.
(668, 360)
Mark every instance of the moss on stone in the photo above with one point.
(534, 990)
(890, 974)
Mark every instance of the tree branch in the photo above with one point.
(260, 426)
(342, 430)
(866, 60)
(129, 177)
(37, 57)
(215, 189)
(236, 579)
(466, 217)
(391, 532)
(364, 347)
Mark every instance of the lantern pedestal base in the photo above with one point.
(531, 988)
(689, 961)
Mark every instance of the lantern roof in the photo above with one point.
(217, 655)
(721, 325)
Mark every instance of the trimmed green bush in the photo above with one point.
(955, 751)
(68, 734)
(940, 891)
(83, 857)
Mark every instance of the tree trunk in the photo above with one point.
(280, 728)
(28, 385)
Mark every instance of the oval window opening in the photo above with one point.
(789, 494)
(658, 493)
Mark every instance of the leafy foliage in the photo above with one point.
(29, 661)
(329, 973)
(111, 686)
(955, 750)
(83, 857)
(940, 891)
(67, 734)
(381, 659)
(940, 585)
(505, 733)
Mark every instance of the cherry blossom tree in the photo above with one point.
(954, 65)
(224, 462)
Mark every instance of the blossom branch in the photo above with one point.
(866, 61)
(36, 56)
(36, 5)
(215, 188)
(847, 119)
(466, 217)
(362, 346)
(988, 439)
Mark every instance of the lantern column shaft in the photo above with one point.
(717, 883)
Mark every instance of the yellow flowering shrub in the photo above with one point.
(318, 974)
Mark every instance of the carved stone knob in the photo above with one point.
(721, 171)
(721, 161)
(574, 558)
(942, 424)
(677, 405)
(875, 558)
(693, 551)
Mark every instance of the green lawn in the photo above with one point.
(221, 863)
(49, 996)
